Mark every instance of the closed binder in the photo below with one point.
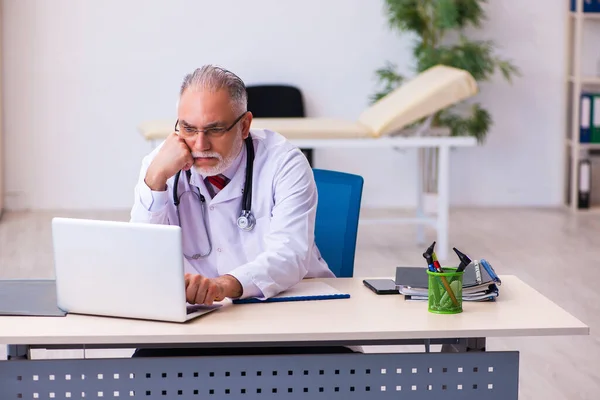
(585, 118)
(29, 297)
(585, 172)
(595, 118)
(588, 5)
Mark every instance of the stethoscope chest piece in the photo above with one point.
(246, 221)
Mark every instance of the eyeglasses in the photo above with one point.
(213, 132)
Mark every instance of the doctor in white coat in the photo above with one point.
(247, 225)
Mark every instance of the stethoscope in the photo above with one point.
(245, 221)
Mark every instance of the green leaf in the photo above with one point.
(477, 122)
(470, 12)
(508, 69)
(447, 14)
(390, 79)
(388, 73)
(473, 56)
(480, 122)
(406, 15)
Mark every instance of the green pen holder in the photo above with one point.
(445, 291)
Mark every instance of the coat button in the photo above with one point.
(219, 249)
(212, 208)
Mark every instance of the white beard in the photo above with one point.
(223, 162)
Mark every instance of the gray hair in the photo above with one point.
(214, 78)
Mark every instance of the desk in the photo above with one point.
(364, 319)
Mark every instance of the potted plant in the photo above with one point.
(439, 30)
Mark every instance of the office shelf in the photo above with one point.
(586, 80)
(587, 15)
(576, 83)
(585, 146)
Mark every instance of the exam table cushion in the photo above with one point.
(313, 128)
(429, 92)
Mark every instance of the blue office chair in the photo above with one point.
(337, 219)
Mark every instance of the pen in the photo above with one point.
(486, 265)
(436, 263)
(431, 268)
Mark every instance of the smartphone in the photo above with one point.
(381, 286)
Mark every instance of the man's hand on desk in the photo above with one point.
(201, 290)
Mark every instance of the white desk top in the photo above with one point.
(519, 311)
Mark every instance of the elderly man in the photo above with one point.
(245, 198)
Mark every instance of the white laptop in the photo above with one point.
(121, 269)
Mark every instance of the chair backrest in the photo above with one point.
(336, 224)
(275, 101)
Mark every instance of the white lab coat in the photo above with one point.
(280, 250)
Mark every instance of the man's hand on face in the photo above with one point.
(173, 156)
(202, 290)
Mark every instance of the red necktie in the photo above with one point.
(218, 181)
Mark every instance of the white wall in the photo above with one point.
(81, 75)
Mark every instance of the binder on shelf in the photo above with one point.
(588, 5)
(595, 119)
(586, 114)
(585, 179)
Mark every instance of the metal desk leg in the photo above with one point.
(18, 352)
(427, 345)
(420, 197)
(465, 345)
(443, 202)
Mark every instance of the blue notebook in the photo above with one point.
(303, 291)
